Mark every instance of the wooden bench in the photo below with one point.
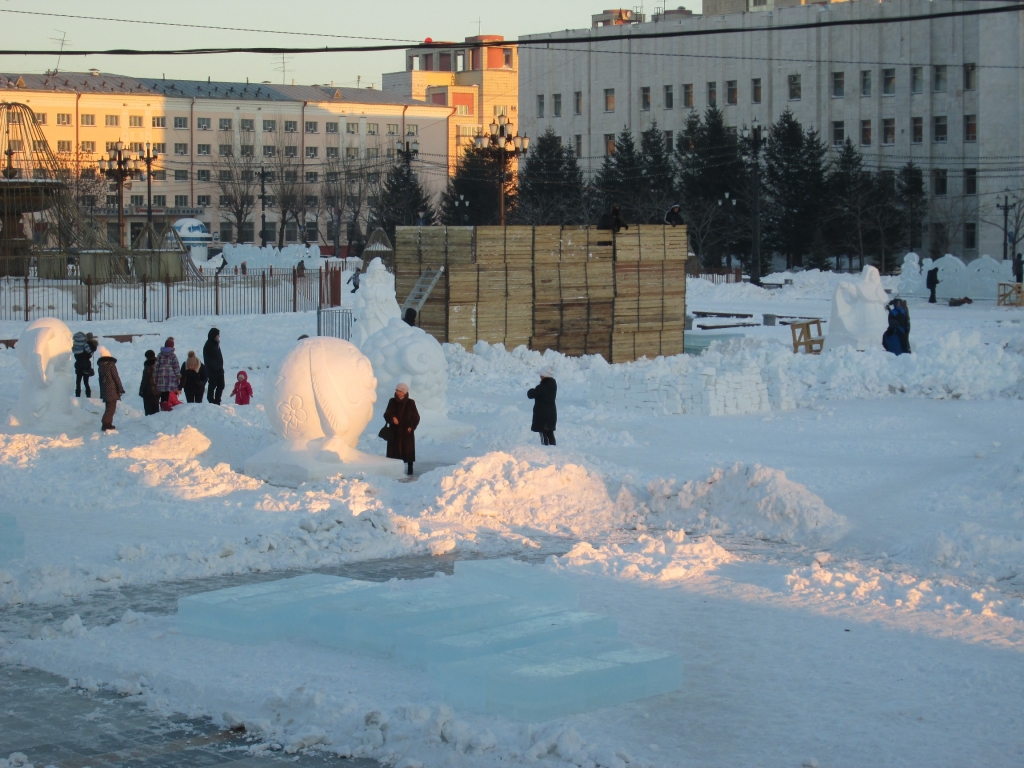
(700, 314)
(803, 338)
(728, 325)
(1010, 295)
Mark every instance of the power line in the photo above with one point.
(566, 40)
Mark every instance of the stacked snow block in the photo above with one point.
(12, 541)
(501, 637)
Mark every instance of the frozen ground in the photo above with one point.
(849, 589)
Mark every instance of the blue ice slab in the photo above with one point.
(426, 647)
(271, 610)
(8, 522)
(373, 623)
(12, 541)
(552, 680)
(520, 580)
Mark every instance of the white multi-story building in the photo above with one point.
(943, 92)
(202, 130)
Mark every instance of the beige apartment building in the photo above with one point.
(477, 79)
(213, 138)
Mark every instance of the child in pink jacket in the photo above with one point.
(243, 389)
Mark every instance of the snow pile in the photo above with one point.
(808, 284)
(256, 257)
(749, 500)
(670, 557)
(185, 445)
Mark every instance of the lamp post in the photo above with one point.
(119, 167)
(754, 136)
(1006, 207)
(148, 159)
(464, 203)
(263, 207)
(724, 202)
(503, 143)
(407, 152)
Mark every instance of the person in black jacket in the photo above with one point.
(110, 386)
(83, 347)
(545, 415)
(147, 387)
(674, 216)
(193, 378)
(214, 366)
(1018, 268)
(932, 282)
(403, 418)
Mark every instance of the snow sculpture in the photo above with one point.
(911, 277)
(44, 351)
(374, 304)
(400, 352)
(985, 274)
(954, 280)
(859, 316)
(322, 401)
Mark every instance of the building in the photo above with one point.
(478, 82)
(322, 147)
(945, 93)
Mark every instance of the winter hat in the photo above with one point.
(243, 374)
(192, 363)
(402, 387)
(169, 342)
(90, 337)
(104, 352)
(547, 373)
(150, 354)
(213, 334)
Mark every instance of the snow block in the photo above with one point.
(261, 613)
(12, 541)
(552, 680)
(519, 580)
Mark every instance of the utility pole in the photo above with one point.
(1006, 207)
(148, 159)
(755, 246)
(263, 207)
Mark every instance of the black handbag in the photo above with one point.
(387, 432)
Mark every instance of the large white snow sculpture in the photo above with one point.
(954, 279)
(403, 353)
(322, 401)
(859, 316)
(912, 279)
(374, 304)
(44, 351)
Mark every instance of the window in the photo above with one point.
(970, 127)
(916, 130)
(888, 82)
(203, 175)
(247, 150)
(372, 129)
(392, 129)
(291, 151)
(181, 123)
(755, 91)
(838, 133)
(609, 99)
(159, 175)
(939, 79)
(668, 97)
(970, 235)
(181, 201)
(712, 94)
(64, 118)
(64, 146)
(500, 109)
(688, 95)
(577, 103)
(203, 201)
(291, 126)
(111, 201)
(865, 133)
(412, 130)
(312, 153)
(182, 149)
(204, 124)
(331, 127)
(226, 230)
(269, 126)
(540, 106)
(645, 98)
(312, 177)
(159, 201)
(225, 150)
(556, 105)
(888, 130)
(111, 121)
(940, 129)
(225, 124)
(352, 128)
(87, 120)
(865, 82)
(970, 181)
(939, 182)
(579, 145)
(180, 175)
(970, 77)
(247, 125)
(669, 141)
(731, 92)
(508, 57)
(224, 175)
(89, 201)
(137, 200)
(332, 153)
(159, 122)
(333, 177)
(312, 126)
(269, 151)
(794, 87)
(917, 79)
(134, 121)
(110, 145)
(351, 153)
(609, 144)
(159, 148)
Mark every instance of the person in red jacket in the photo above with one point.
(243, 389)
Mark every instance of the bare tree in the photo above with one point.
(954, 212)
(991, 213)
(237, 175)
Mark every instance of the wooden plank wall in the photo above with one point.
(574, 289)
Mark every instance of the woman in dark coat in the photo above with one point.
(147, 387)
(545, 415)
(193, 378)
(110, 386)
(403, 418)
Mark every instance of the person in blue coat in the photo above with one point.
(896, 338)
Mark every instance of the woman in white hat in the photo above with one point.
(545, 415)
(402, 418)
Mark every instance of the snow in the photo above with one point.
(839, 565)
(44, 351)
(374, 304)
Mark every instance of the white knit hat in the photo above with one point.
(547, 372)
(402, 387)
(103, 352)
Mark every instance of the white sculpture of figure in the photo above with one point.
(374, 304)
(985, 274)
(322, 401)
(44, 351)
(403, 353)
(911, 277)
(954, 279)
(859, 317)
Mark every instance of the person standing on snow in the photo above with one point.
(242, 391)
(193, 378)
(84, 344)
(147, 387)
(1018, 268)
(403, 418)
(545, 415)
(896, 338)
(931, 283)
(167, 373)
(214, 366)
(674, 216)
(354, 280)
(110, 387)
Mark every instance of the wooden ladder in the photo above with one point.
(421, 291)
(810, 343)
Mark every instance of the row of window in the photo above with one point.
(940, 130)
(227, 124)
(223, 150)
(183, 201)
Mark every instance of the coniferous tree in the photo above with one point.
(620, 180)
(852, 189)
(659, 190)
(912, 202)
(551, 187)
(400, 201)
(476, 181)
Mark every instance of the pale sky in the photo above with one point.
(400, 19)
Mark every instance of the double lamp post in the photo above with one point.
(119, 166)
(502, 143)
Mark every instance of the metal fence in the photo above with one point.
(29, 298)
(334, 321)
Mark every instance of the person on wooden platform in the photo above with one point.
(545, 414)
(402, 418)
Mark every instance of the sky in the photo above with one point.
(398, 20)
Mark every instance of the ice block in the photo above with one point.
(260, 613)
(425, 647)
(12, 541)
(372, 624)
(519, 580)
(551, 680)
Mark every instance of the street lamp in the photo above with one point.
(753, 137)
(119, 167)
(263, 208)
(724, 203)
(465, 208)
(148, 159)
(502, 142)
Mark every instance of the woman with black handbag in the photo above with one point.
(400, 431)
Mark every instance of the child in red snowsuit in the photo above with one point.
(243, 389)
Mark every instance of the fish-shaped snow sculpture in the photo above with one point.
(44, 351)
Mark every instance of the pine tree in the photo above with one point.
(475, 181)
(400, 202)
(620, 180)
(659, 190)
(852, 197)
(912, 201)
(551, 187)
